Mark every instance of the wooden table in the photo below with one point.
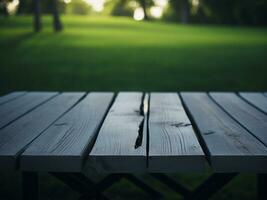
(134, 132)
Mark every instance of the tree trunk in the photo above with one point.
(4, 10)
(143, 4)
(184, 11)
(56, 19)
(37, 15)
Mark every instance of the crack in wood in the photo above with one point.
(141, 110)
(61, 124)
(181, 124)
(139, 138)
(209, 133)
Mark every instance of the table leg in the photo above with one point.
(262, 186)
(30, 186)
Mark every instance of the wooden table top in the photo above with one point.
(133, 132)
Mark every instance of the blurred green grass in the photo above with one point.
(94, 53)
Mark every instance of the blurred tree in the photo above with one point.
(144, 4)
(37, 15)
(3, 7)
(25, 7)
(250, 12)
(121, 8)
(56, 19)
(50, 6)
(261, 12)
(197, 12)
(181, 9)
(243, 12)
(79, 7)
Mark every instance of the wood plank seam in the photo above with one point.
(231, 147)
(87, 151)
(30, 110)
(64, 144)
(26, 146)
(198, 134)
(233, 118)
(252, 104)
(147, 130)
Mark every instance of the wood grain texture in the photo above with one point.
(229, 146)
(259, 100)
(14, 109)
(121, 142)
(248, 116)
(10, 97)
(15, 137)
(65, 144)
(173, 145)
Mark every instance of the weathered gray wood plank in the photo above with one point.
(229, 146)
(62, 147)
(121, 142)
(173, 145)
(251, 118)
(259, 100)
(15, 137)
(13, 110)
(10, 97)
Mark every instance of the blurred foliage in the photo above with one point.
(78, 8)
(26, 6)
(237, 12)
(126, 7)
(3, 7)
(122, 8)
(251, 12)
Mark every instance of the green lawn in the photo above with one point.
(120, 54)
